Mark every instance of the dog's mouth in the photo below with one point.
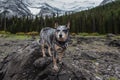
(61, 39)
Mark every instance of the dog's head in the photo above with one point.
(62, 32)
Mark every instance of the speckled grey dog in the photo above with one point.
(56, 39)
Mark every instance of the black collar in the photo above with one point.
(61, 43)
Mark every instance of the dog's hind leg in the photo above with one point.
(43, 49)
(49, 50)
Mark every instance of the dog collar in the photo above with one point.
(61, 44)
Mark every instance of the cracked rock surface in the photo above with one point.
(87, 58)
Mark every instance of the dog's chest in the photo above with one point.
(59, 49)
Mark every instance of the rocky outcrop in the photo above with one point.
(115, 43)
(89, 59)
(28, 64)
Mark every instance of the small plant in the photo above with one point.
(73, 34)
(95, 34)
(84, 34)
(32, 33)
(4, 32)
(89, 34)
(112, 78)
(20, 33)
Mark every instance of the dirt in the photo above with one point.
(90, 58)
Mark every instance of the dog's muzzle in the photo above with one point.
(60, 36)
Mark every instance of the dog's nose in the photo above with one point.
(60, 35)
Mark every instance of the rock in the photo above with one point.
(85, 40)
(115, 43)
(33, 37)
(110, 35)
(70, 41)
(5, 36)
(25, 61)
(6, 44)
(0, 35)
(29, 65)
(90, 55)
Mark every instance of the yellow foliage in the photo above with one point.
(4, 32)
(73, 34)
(20, 33)
(32, 33)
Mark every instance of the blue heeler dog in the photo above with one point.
(56, 39)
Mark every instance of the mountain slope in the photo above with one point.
(46, 7)
(102, 19)
(106, 2)
(60, 6)
(13, 8)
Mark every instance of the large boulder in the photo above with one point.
(80, 62)
(115, 43)
(28, 64)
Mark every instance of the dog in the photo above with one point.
(57, 40)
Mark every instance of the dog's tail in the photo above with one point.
(39, 41)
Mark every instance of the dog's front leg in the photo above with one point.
(60, 56)
(43, 50)
(55, 67)
(49, 51)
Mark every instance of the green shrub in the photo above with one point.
(73, 34)
(4, 32)
(32, 33)
(83, 34)
(112, 78)
(20, 33)
(95, 34)
(89, 34)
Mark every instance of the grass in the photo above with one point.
(112, 78)
(4, 32)
(22, 36)
(91, 35)
(15, 36)
(19, 35)
(117, 37)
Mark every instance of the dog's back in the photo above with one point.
(47, 35)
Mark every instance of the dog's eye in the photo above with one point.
(65, 30)
(58, 30)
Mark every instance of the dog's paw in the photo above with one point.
(55, 68)
(44, 55)
(50, 55)
(60, 62)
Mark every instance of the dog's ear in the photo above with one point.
(56, 25)
(68, 25)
